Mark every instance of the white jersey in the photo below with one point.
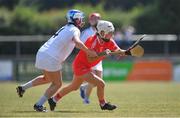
(60, 45)
(87, 33)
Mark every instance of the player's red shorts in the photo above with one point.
(80, 68)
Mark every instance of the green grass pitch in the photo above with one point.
(134, 99)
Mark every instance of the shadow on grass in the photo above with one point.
(77, 111)
(60, 111)
(25, 112)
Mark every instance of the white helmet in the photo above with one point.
(105, 26)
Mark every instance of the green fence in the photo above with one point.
(112, 70)
(116, 70)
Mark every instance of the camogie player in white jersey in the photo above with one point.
(86, 88)
(52, 54)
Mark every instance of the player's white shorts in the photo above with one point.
(46, 62)
(98, 67)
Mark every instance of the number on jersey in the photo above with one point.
(57, 33)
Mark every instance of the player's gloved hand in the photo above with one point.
(107, 51)
(104, 53)
(128, 52)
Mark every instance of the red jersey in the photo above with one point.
(81, 61)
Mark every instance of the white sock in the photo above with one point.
(26, 85)
(102, 104)
(54, 100)
(42, 100)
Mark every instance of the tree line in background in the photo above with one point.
(18, 17)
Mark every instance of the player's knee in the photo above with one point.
(58, 85)
(101, 84)
(91, 85)
(45, 79)
(57, 82)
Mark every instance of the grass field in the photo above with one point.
(132, 98)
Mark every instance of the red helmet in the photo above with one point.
(97, 15)
(93, 19)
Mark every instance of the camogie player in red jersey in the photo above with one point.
(101, 42)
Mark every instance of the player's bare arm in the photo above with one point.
(99, 55)
(119, 51)
(107, 52)
(135, 50)
(79, 44)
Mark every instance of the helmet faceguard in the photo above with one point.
(75, 17)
